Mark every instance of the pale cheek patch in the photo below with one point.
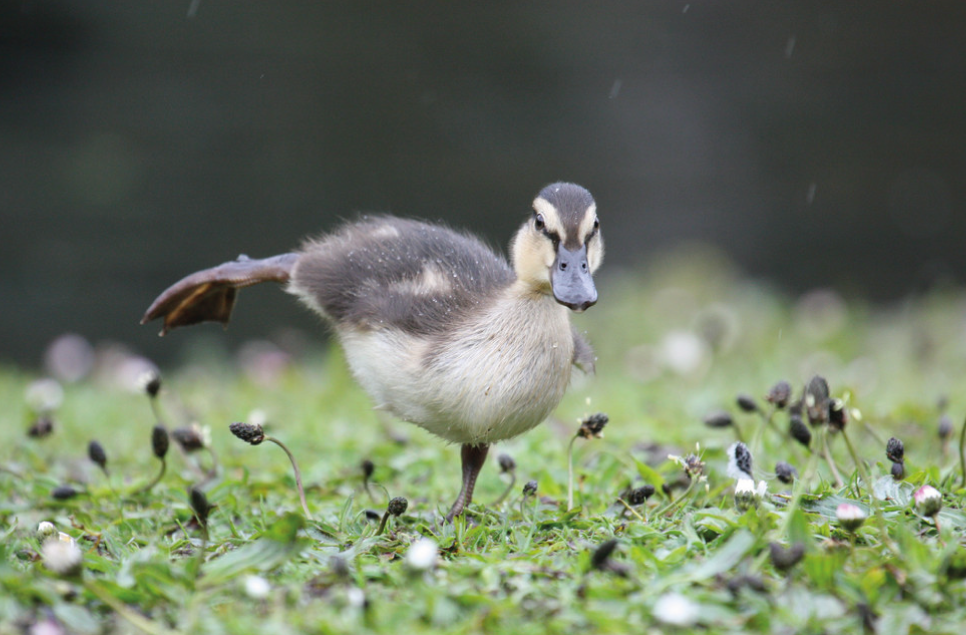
(550, 217)
(587, 222)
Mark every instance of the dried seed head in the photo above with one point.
(190, 438)
(816, 400)
(850, 517)
(779, 394)
(785, 472)
(693, 465)
(719, 419)
(159, 441)
(928, 500)
(945, 427)
(784, 558)
(368, 467)
(200, 505)
(151, 381)
(397, 506)
(639, 495)
(747, 403)
(63, 492)
(96, 454)
(593, 426)
(799, 431)
(747, 495)
(507, 464)
(899, 471)
(739, 461)
(41, 427)
(248, 432)
(530, 488)
(838, 416)
(895, 450)
(599, 559)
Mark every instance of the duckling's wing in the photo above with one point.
(384, 271)
(209, 295)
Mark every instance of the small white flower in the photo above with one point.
(928, 500)
(422, 554)
(850, 516)
(44, 395)
(45, 530)
(356, 597)
(257, 587)
(676, 610)
(63, 557)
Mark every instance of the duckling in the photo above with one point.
(437, 328)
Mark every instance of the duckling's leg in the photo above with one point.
(209, 295)
(474, 456)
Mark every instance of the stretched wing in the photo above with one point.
(209, 295)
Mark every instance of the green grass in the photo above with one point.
(528, 564)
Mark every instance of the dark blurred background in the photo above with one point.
(819, 144)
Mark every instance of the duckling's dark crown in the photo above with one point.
(569, 199)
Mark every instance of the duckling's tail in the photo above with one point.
(209, 295)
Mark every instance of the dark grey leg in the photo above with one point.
(474, 456)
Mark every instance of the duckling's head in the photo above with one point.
(559, 248)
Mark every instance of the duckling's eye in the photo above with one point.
(596, 224)
(538, 222)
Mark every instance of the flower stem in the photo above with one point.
(570, 474)
(962, 454)
(157, 479)
(298, 474)
(121, 609)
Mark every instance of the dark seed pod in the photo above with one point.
(507, 464)
(248, 432)
(945, 427)
(784, 558)
(719, 419)
(786, 472)
(747, 403)
(42, 427)
(898, 470)
(397, 506)
(159, 441)
(153, 385)
(639, 495)
(799, 431)
(96, 454)
(838, 416)
(530, 488)
(593, 426)
(753, 582)
(779, 394)
(372, 514)
(189, 438)
(895, 450)
(63, 492)
(599, 559)
(816, 400)
(742, 457)
(200, 505)
(368, 467)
